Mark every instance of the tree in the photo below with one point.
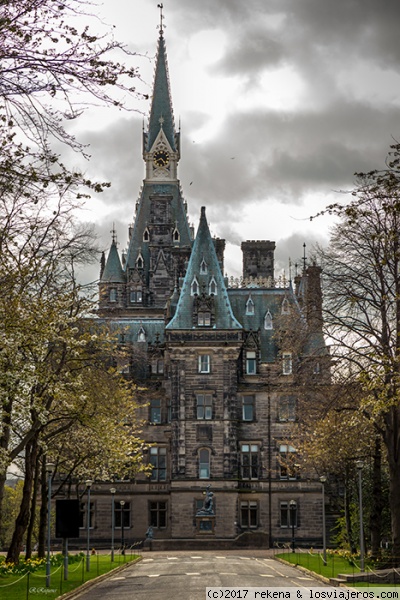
(362, 306)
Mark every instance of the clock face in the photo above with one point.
(161, 158)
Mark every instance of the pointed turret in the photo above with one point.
(113, 271)
(161, 113)
(203, 301)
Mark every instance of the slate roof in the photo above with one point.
(130, 328)
(113, 272)
(178, 217)
(203, 251)
(161, 106)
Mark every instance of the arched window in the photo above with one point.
(113, 295)
(285, 307)
(140, 261)
(204, 464)
(146, 235)
(141, 335)
(212, 288)
(203, 267)
(194, 288)
(175, 235)
(249, 306)
(268, 324)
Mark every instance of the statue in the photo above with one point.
(208, 505)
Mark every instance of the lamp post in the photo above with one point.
(359, 465)
(88, 486)
(122, 503)
(112, 490)
(293, 506)
(323, 481)
(49, 472)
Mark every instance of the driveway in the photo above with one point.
(186, 575)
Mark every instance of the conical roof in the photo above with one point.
(204, 271)
(161, 114)
(113, 271)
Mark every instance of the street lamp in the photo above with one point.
(88, 486)
(112, 490)
(293, 506)
(122, 503)
(359, 465)
(49, 472)
(323, 481)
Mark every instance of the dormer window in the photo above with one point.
(285, 310)
(249, 306)
(146, 235)
(203, 267)
(140, 261)
(212, 288)
(175, 235)
(268, 323)
(141, 335)
(194, 288)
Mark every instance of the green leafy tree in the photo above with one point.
(362, 306)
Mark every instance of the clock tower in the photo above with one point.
(160, 241)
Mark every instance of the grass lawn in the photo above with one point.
(32, 586)
(313, 562)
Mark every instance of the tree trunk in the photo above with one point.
(22, 520)
(347, 514)
(32, 516)
(4, 445)
(43, 512)
(392, 439)
(377, 500)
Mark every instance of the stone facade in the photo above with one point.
(228, 367)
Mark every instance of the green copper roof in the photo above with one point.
(204, 268)
(161, 114)
(113, 271)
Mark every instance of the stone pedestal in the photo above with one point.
(205, 525)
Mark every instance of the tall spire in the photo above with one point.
(161, 114)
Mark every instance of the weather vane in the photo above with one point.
(160, 27)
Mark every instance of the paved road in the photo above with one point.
(185, 576)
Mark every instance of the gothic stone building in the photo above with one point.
(228, 365)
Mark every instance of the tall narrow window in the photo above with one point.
(287, 467)
(203, 267)
(158, 460)
(212, 288)
(249, 306)
(146, 235)
(248, 408)
(175, 236)
(204, 363)
(122, 514)
(204, 464)
(268, 324)
(113, 295)
(287, 408)
(249, 513)
(204, 406)
(83, 515)
(140, 262)
(141, 335)
(155, 411)
(194, 288)
(287, 365)
(285, 308)
(158, 514)
(249, 458)
(288, 514)
(251, 368)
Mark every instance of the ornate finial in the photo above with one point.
(161, 120)
(290, 269)
(114, 234)
(304, 257)
(160, 26)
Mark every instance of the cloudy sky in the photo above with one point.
(280, 102)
